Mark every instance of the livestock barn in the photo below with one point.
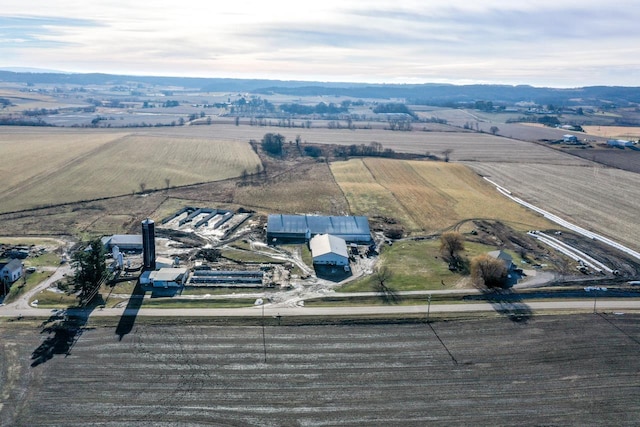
(301, 228)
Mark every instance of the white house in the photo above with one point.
(570, 139)
(327, 249)
(11, 271)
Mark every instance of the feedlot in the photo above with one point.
(549, 370)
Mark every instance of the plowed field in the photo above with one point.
(568, 370)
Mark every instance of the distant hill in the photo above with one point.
(438, 94)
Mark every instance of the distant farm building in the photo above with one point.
(569, 139)
(287, 228)
(329, 250)
(620, 143)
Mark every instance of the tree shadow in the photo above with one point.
(128, 319)
(63, 328)
(387, 295)
(508, 303)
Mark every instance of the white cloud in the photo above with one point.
(541, 42)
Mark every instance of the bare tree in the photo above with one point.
(494, 129)
(143, 186)
(446, 154)
(451, 244)
(381, 276)
(488, 271)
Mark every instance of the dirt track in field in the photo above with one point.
(564, 370)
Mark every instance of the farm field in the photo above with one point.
(618, 132)
(603, 200)
(71, 166)
(426, 196)
(565, 370)
(465, 146)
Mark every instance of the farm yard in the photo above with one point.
(549, 370)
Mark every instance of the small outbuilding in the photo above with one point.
(165, 278)
(327, 249)
(569, 139)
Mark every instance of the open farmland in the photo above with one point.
(622, 132)
(467, 146)
(568, 370)
(603, 200)
(426, 196)
(75, 165)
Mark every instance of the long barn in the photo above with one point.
(289, 228)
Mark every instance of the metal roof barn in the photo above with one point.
(329, 250)
(303, 227)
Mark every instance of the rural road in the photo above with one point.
(583, 306)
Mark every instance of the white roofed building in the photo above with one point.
(329, 250)
(165, 278)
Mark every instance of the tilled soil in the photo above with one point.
(550, 370)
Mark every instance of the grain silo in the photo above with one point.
(148, 245)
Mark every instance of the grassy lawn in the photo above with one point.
(220, 291)
(418, 265)
(19, 288)
(187, 303)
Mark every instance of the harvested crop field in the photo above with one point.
(467, 146)
(426, 196)
(565, 370)
(75, 165)
(602, 200)
(626, 159)
(623, 132)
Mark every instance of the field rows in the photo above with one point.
(548, 371)
(466, 146)
(73, 166)
(426, 196)
(603, 200)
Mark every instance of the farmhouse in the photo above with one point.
(11, 271)
(329, 250)
(569, 139)
(505, 257)
(286, 228)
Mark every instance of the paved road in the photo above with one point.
(583, 306)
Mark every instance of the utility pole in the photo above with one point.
(428, 306)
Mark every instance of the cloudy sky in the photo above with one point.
(560, 43)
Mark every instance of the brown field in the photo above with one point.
(549, 370)
(465, 146)
(603, 200)
(426, 196)
(618, 132)
(74, 165)
(625, 159)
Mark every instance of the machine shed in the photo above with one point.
(329, 250)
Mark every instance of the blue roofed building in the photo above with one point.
(300, 228)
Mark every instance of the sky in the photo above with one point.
(553, 43)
